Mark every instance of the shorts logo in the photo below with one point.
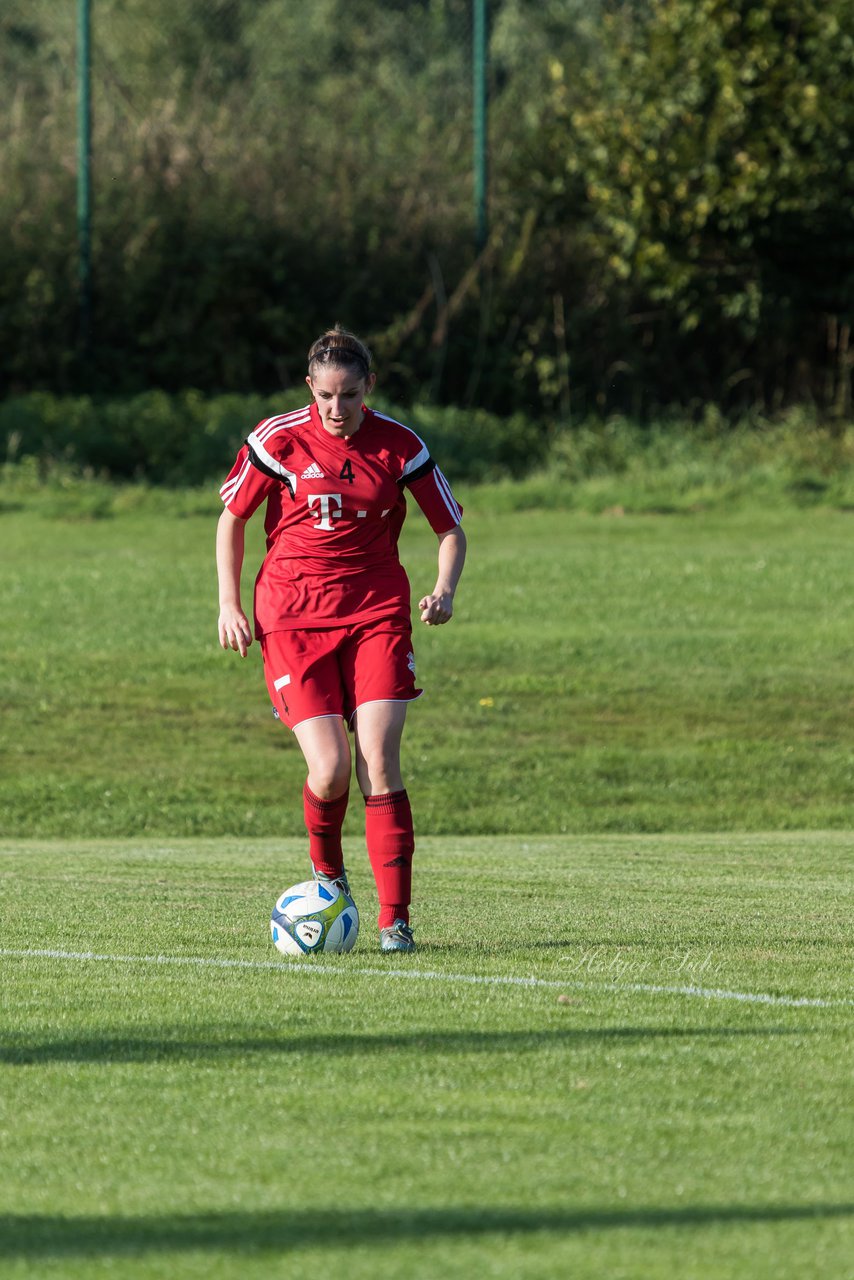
(410, 662)
(312, 472)
(279, 685)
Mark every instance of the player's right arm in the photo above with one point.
(234, 629)
(244, 490)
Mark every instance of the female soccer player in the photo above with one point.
(332, 610)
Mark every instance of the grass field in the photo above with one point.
(623, 1048)
(543, 1091)
(603, 673)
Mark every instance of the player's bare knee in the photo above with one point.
(379, 774)
(328, 787)
(329, 778)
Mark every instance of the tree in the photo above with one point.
(713, 138)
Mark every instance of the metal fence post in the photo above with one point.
(84, 171)
(480, 91)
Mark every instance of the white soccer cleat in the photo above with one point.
(341, 882)
(397, 937)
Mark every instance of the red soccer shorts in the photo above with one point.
(334, 671)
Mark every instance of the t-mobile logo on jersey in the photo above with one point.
(330, 508)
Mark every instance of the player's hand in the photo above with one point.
(234, 629)
(436, 608)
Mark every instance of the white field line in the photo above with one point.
(432, 975)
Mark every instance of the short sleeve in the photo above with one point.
(246, 487)
(433, 494)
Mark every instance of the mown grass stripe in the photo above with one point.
(432, 975)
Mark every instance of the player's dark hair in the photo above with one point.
(339, 349)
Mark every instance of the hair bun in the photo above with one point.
(338, 348)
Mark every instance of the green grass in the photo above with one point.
(690, 672)
(583, 1113)
(168, 1120)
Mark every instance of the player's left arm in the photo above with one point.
(438, 607)
(433, 494)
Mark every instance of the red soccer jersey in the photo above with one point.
(335, 508)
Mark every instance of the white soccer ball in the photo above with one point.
(312, 917)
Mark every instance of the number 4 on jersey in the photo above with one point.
(346, 472)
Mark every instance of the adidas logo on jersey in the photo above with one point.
(313, 472)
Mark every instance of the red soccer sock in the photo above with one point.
(391, 842)
(324, 820)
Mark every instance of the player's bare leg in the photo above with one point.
(388, 817)
(324, 744)
(378, 728)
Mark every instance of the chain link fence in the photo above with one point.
(663, 228)
(254, 163)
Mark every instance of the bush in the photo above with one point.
(189, 438)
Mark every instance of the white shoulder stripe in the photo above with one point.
(229, 490)
(417, 461)
(272, 463)
(282, 422)
(385, 418)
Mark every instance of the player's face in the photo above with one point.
(339, 394)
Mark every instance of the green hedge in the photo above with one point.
(188, 438)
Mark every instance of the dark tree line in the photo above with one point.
(671, 200)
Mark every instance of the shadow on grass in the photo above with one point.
(169, 1044)
(35, 1235)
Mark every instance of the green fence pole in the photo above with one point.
(84, 170)
(479, 74)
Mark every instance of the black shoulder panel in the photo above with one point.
(423, 470)
(268, 471)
